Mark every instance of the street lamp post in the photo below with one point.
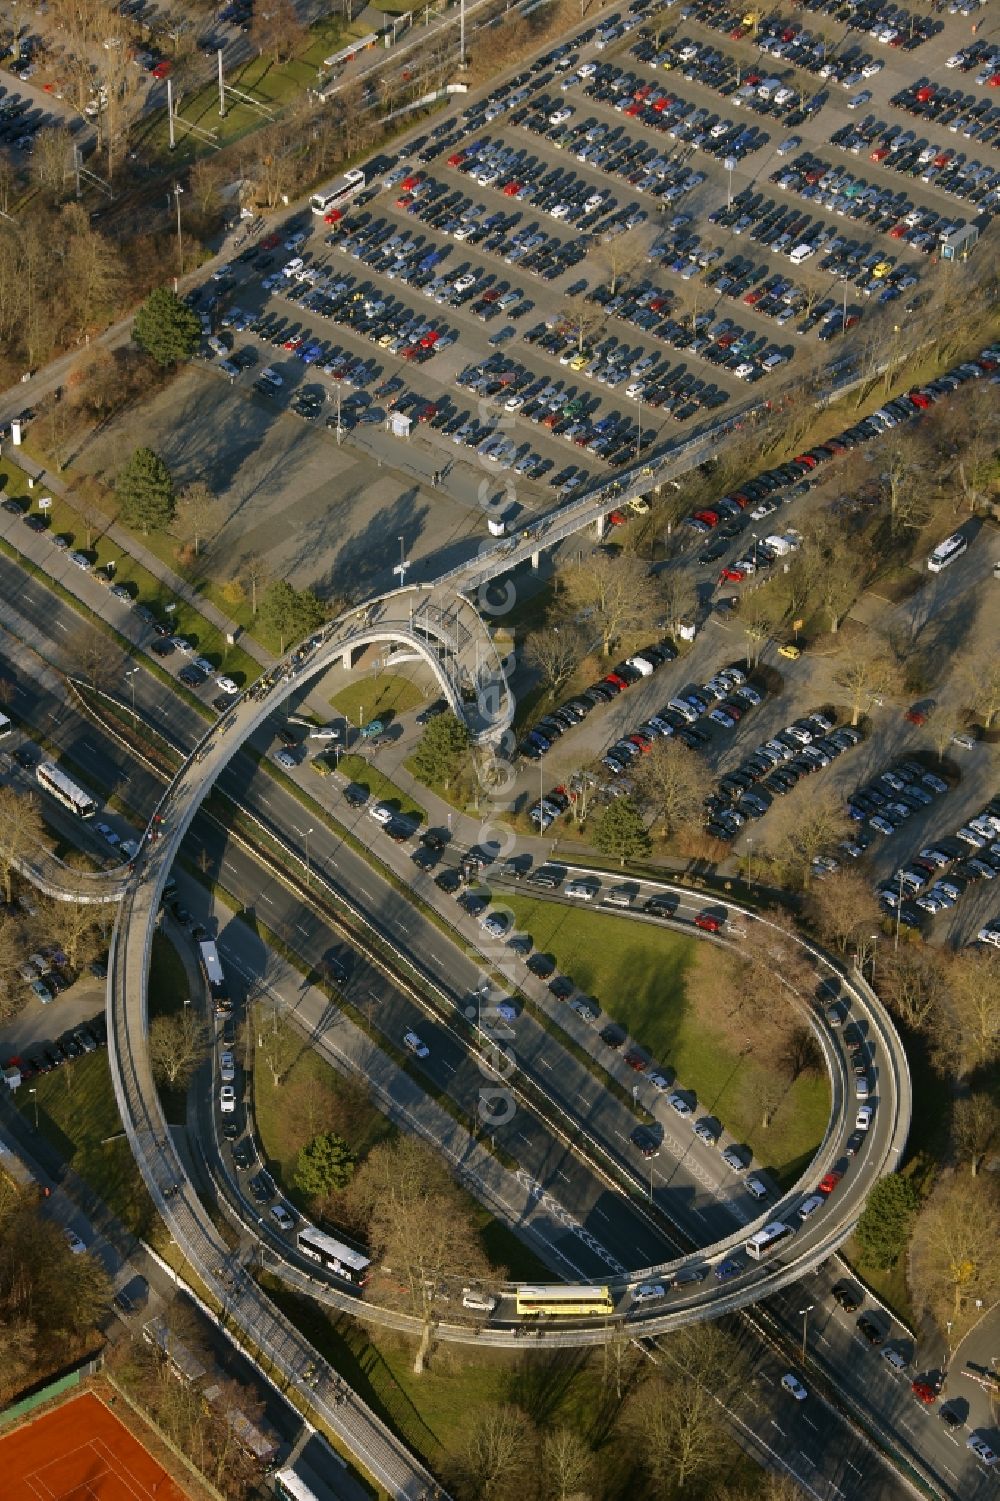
(130, 675)
(749, 858)
(899, 912)
(805, 1312)
(874, 938)
(178, 190)
(638, 441)
(34, 1099)
(308, 832)
(402, 565)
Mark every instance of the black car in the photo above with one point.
(355, 797)
(243, 1154)
(854, 1143)
(871, 1331)
(26, 756)
(541, 965)
(439, 706)
(181, 914)
(433, 840)
(645, 1138)
(847, 1296)
(562, 987)
(261, 1187)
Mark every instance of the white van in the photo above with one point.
(618, 898)
(380, 813)
(801, 253)
(580, 890)
(648, 1292)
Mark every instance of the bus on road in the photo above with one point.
(65, 789)
(344, 1261)
(563, 1302)
(215, 979)
(338, 193)
(767, 1240)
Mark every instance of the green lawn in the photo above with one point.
(313, 1097)
(78, 1114)
(638, 974)
(145, 586)
(168, 992)
(380, 788)
(385, 696)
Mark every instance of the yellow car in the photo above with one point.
(578, 361)
(789, 651)
(882, 269)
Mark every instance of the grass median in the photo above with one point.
(380, 788)
(639, 975)
(383, 697)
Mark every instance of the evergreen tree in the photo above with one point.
(145, 492)
(443, 749)
(884, 1226)
(290, 613)
(166, 328)
(325, 1164)
(621, 832)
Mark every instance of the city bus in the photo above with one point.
(289, 1486)
(62, 787)
(5, 726)
(344, 1261)
(339, 193)
(215, 979)
(565, 1302)
(767, 1240)
(947, 551)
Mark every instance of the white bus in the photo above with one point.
(5, 726)
(339, 192)
(767, 1240)
(947, 551)
(62, 787)
(343, 1261)
(289, 1486)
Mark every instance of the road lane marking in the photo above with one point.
(812, 1425)
(301, 927)
(266, 899)
(778, 1426)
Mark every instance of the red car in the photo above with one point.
(615, 681)
(333, 216)
(829, 1182)
(271, 242)
(732, 576)
(511, 189)
(806, 458)
(710, 518)
(409, 183)
(920, 401)
(162, 68)
(456, 159)
(923, 1391)
(617, 518)
(707, 922)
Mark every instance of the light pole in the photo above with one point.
(730, 166)
(805, 1312)
(749, 858)
(402, 565)
(899, 912)
(130, 675)
(34, 1097)
(339, 430)
(638, 441)
(178, 190)
(874, 939)
(308, 832)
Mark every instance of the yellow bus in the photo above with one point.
(563, 1301)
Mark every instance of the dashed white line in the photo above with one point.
(812, 1425)
(545, 1062)
(808, 1461)
(301, 927)
(266, 899)
(778, 1427)
(852, 1466)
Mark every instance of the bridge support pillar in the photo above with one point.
(347, 660)
(535, 556)
(599, 526)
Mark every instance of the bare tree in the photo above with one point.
(843, 909)
(98, 658)
(253, 573)
(582, 319)
(980, 675)
(955, 1263)
(497, 1452)
(198, 514)
(620, 255)
(678, 596)
(12, 951)
(276, 30)
(554, 651)
(75, 926)
(672, 781)
(867, 669)
(567, 1463)
(913, 982)
(21, 833)
(975, 1119)
(419, 1224)
(617, 593)
(974, 988)
(812, 823)
(177, 1044)
(51, 158)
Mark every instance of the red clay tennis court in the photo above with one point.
(80, 1452)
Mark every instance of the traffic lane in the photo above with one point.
(544, 1157)
(834, 1338)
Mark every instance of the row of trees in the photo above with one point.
(50, 1300)
(75, 926)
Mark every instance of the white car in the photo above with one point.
(412, 1041)
(227, 1068)
(496, 925)
(227, 685)
(227, 1099)
(789, 144)
(809, 1206)
(325, 732)
(989, 935)
(282, 1218)
(863, 1118)
(294, 241)
(76, 1245)
(560, 115)
(648, 1292)
(380, 813)
(183, 645)
(793, 1386)
(679, 1103)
